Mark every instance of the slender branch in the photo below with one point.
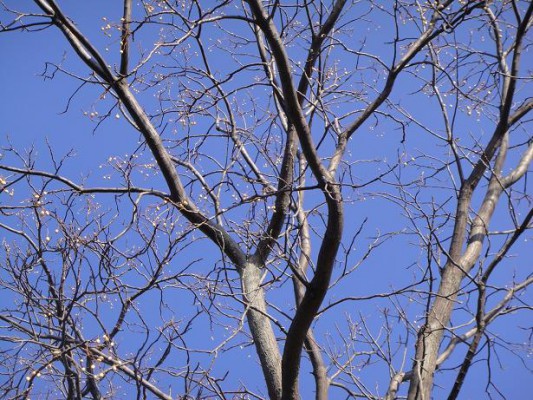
(125, 38)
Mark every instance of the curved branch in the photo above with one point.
(318, 286)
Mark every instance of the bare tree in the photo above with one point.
(283, 135)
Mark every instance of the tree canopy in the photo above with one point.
(252, 200)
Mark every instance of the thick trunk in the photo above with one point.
(458, 266)
(430, 337)
(261, 328)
